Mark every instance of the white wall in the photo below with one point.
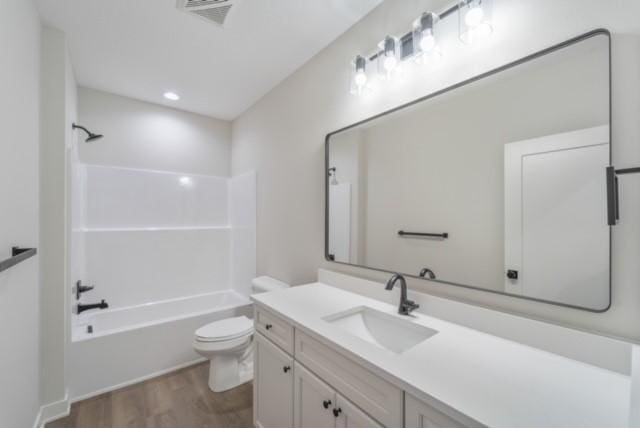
(282, 138)
(142, 135)
(58, 111)
(19, 117)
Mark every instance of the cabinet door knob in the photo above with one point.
(326, 404)
(286, 368)
(337, 411)
(268, 326)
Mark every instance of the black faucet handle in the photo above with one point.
(103, 304)
(82, 289)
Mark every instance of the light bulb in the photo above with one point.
(474, 16)
(390, 63)
(427, 42)
(360, 78)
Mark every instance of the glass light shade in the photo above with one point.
(360, 80)
(388, 57)
(474, 20)
(425, 41)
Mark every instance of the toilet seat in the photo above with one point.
(225, 330)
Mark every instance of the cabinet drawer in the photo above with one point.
(275, 329)
(374, 395)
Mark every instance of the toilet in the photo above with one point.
(228, 343)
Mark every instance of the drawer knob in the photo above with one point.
(268, 326)
(326, 404)
(286, 368)
(336, 412)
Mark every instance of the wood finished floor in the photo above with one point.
(180, 399)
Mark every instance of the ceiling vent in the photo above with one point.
(216, 11)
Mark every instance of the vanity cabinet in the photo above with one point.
(317, 405)
(300, 382)
(273, 386)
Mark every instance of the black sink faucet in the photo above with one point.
(427, 273)
(81, 308)
(406, 306)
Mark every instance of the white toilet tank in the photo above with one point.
(263, 284)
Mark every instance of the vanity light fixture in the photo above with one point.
(422, 43)
(359, 78)
(171, 96)
(474, 20)
(425, 43)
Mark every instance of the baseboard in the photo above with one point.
(136, 380)
(52, 411)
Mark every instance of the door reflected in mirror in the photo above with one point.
(498, 184)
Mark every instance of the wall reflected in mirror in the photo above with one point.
(506, 172)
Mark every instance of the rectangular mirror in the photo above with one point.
(497, 183)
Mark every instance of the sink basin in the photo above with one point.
(383, 330)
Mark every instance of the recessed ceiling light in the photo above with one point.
(171, 96)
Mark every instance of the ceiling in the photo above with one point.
(143, 48)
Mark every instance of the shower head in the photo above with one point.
(90, 135)
(332, 174)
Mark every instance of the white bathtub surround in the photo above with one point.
(149, 236)
(242, 222)
(143, 341)
(139, 266)
(464, 373)
(116, 198)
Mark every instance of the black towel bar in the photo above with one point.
(444, 235)
(613, 204)
(17, 255)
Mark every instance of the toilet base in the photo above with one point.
(227, 371)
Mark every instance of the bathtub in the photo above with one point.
(118, 347)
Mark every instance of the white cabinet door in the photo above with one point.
(349, 416)
(313, 401)
(273, 386)
(420, 415)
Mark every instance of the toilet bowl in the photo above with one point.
(228, 344)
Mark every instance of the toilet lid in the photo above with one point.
(226, 329)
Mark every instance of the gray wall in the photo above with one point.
(142, 135)
(282, 138)
(58, 111)
(19, 296)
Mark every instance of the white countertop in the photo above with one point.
(494, 381)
